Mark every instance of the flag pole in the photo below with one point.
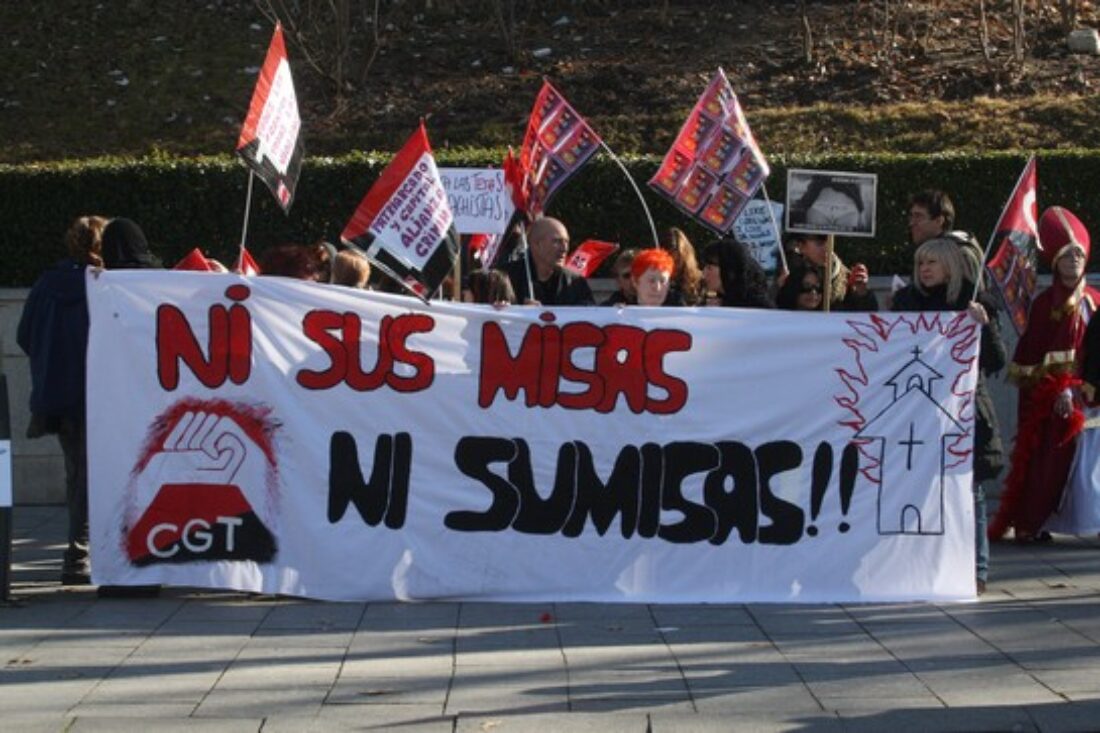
(775, 228)
(527, 261)
(247, 211)
(993, 235)
(827, 286)
(648, 216)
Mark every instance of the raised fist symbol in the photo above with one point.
(203, 495)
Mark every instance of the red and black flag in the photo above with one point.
(589, 255)
(271, 141)
(1012, 266)
(404, 223)
(558, 142)
(714, 166)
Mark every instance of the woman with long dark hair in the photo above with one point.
(730, 270)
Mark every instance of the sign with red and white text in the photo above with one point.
(280, 436)
(270, 142)
(404, 224)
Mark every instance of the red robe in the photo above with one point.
(1047, 361)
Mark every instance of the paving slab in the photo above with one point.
(1027, 657)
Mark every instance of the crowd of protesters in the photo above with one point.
(1056, 363)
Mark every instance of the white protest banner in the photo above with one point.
(478, 200)
(756, 229)
(280, 436)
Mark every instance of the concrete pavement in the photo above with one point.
(1026, 658)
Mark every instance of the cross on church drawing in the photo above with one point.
(911, 446)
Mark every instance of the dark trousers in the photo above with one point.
(71, 435)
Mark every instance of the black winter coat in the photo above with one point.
(989, 452)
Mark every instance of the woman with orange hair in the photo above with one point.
(651, 273)
(1045, 366)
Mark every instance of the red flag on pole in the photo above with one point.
(270, 142)
(404, 223)
(558, 142)
(516, 181)
(1012, 266)
(246, 265)
(195, 260)
(589, 255)
(714, 166)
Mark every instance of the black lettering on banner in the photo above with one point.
(386, 495)
(644, 491)
(537, 515)
(786, 527)
(602, 502)
(644, 482)
(682, 459)
(473, 456)
(731, 490)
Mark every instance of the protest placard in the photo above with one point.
(478, 199)
(756, 228)
(831, 202)
(282, 436)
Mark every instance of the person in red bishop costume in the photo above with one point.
(1045, 367)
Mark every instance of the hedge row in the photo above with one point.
(184, 203)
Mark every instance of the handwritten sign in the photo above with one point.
(349, 445)
(758, 231)
(478, 199)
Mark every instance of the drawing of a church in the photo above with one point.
(910, 437)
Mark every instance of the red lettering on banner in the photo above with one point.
(628, 361)
(229, 344)
(340, 335)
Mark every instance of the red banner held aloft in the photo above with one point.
(271, 142)
(714, 166)
(589, 255)
(1012, 266)
(404, 223)
(558, 142)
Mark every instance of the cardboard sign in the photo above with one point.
(756, 229)
(478, 199)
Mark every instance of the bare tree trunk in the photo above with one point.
(807, 34)
(373, 20)
(338, 39)
(983, 29)
(1067, 9)
(505, 12)
(1018, 41)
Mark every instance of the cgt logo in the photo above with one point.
(189, 522)
(201, 493)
